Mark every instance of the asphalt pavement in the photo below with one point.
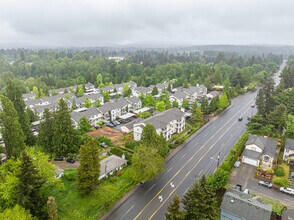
(198, 156)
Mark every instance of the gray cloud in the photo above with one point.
(170, 22)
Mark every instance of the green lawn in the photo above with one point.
(73, 206)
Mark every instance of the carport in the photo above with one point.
(126, 116)
(145, 109)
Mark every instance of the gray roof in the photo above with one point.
(90, 112)
(164, 118)
(289, 144)
(111, 163)
(133, 100)
(267, 145)
(33, 102)
(202, 87)
(106, 107)
(161, 86)
(95, 96)
(240, 204)
(89, 86)
(288, 214)
(188, 91)
(29, 95)
(118, 85)
(40, 108)
(55, 98)
(214, 93)
(143, 89)
(179, 95)
(251, 154)
(106, 88)
(62, 89)
(120, 103)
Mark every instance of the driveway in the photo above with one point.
(272, 194)
(242, 174)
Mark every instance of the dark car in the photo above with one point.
(70, 160)
(265, 183)
(253, 105)
(240, 118)
(110, 125)
(58, 158)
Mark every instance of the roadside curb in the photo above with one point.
(120, 202)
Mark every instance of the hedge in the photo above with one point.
(219, 179)
(119, 152)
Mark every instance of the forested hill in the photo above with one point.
(49, 69)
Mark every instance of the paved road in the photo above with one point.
(197, 157)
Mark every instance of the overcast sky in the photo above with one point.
(78, 23)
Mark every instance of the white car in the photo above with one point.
(287, 190)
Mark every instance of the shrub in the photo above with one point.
(132, 144)
(279, 171)
(219, 179)
(171, 146)
(70, 174)
(119, 152)
(104, 139)
(281, 181)
(144, 114)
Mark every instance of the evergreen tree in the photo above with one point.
(278, 117)
(213, 104)
(74, 105)
(260, 103)
(87, 103)
(52, 208)
(46, 132)
(10, 128)
(32, 115)
(127, 90)
(196, 112)
(169, 87)
(173, 210)
(290, 126)
(175, 104)
(154, 91)
(13, 93)
(80, 91)
(84, 125)
(89, 170)
(199, 202)
(185, 104)
(204, 106)
(29, 190)
(65, 137)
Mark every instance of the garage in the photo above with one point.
(250, 161)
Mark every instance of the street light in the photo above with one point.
(218, 157)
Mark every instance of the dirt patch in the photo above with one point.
(112, 134)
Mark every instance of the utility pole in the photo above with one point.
(218, 157)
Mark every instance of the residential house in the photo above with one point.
(179, 97)
(111, 164)
(134, 103)
(29, 96)
(212, 94)
(166, 123)
(39, 109)
(133, 85)
(107, 89)
(119, 88)
(108, 111)
(80, 101)
(31, 103)
(260, 150)
(191, 94)
(92, 114)
(137, 91)
(62, 90)
(237, 205)
(121, 106)
(289, 149)
(90, 88)
(201, 91)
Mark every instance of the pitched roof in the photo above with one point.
(267, 145)
(240, 204)
(179, 95)
(33, 102)
(90, 112)
(289, 144)
(111, 163)
(40, 108)
(143, 89)
(89, 86)
(133, 100)
(28, 95)
(106, 107)
(163, 119)
(120, 103)
(252, 154)
(95, 96)
(106, 88)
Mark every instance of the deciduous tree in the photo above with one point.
(84, 125)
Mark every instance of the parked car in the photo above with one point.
(237, 164)
(70, 160)
(240, 118)
(265, 183)
(287, 190)
(110, 125)
(238, 187)
(247, 191)
(58, 158)
(117, 122)
(253, 105)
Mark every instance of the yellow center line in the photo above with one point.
(191, 170)
(157, 194)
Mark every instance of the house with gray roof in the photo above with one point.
(111, 164)
(91, 114)
(237, 205)
(39, 109)
(166, 123)
(71, 89)
(260, 150)
(119, 88)
(212, 94)
(134, 103)
(289, 149)
(121, 105)
(107, 89)
(90, 88)
(108, 111)
(141, 89)
(179, 97)
(80, 101)
(29, 96)
(31, 103)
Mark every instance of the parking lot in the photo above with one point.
(241, 175)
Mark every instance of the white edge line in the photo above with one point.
(127, 211)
